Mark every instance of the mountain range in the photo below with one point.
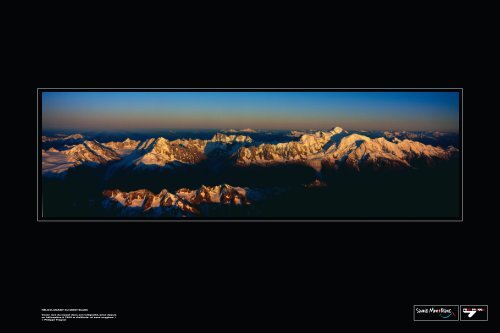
(62, 137)
(336, 147)
(272, 174)
(184, 202)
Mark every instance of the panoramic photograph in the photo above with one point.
(249, 155)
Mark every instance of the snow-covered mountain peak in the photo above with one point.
(123, 147)
(161, 146)
(160, 151)
(248, 130)
(74, 137)
(353, 138)
(91, 151)
(337, 130)
(57, 162)
(221, 137)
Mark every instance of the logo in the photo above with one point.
(474, 312)
(435, 313)
(470, 312)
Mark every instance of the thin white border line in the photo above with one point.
(458, 314)
(236, 220)
(330, 89)
(232, 220)
(37, 159)
(461, 133)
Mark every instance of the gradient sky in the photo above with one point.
(259, 110)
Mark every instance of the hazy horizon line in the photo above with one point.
(240, 129)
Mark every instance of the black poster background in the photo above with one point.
(260, 276)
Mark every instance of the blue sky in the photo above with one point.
(264, 110)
